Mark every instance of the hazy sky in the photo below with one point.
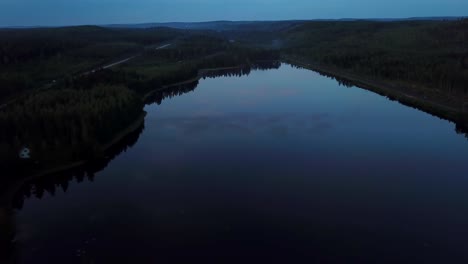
(74, 12)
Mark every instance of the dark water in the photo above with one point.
(278, 166)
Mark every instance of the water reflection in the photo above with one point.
(7, 234)
(85, 173)
(291, 175)
(180, 89)
(243, 71)
(175, 90)
(460, 120)
(62, 179)
(247, 123)
(250, 124)
(49, 184)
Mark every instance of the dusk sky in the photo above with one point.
(78, 12)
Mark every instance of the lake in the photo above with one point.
(278, 165)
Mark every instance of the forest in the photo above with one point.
(429, 59)
(79, 115)
(54, 105)
(32, 58)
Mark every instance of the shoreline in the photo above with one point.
(409, 98)
(199, 76)
(102, 149)
(426, 105)
(7, 197)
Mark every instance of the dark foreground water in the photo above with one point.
(278, 166)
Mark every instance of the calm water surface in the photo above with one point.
(278, 166)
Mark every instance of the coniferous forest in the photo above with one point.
(59, 100)
(316, 161)
(76, 116)
(427, 60)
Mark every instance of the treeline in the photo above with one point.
(71, 120)
(158, 96)
(341, 81)
(37, 58)
(24, 45)
(193, 46)
(156, 77)
(158, 68)
(200, 45)
(429, 54)
(66, 124)
(146, 78)
(242, 70)
(460, 118)
(61, 180)
(32, 58)
(51, 184)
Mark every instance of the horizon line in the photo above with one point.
(238, 21)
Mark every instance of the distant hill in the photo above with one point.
(244, 25)
(417, 19)
(260, 25)
(216, 25)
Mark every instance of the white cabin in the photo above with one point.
(25, 153)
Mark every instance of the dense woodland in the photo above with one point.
(79, 114)
(67, 123)
(156, 69)
(48, 105)
(32, 58)
(53, 183)
(429, 54)
(159, 95)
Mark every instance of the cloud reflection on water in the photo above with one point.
(275, 125)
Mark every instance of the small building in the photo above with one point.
(25, 153)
